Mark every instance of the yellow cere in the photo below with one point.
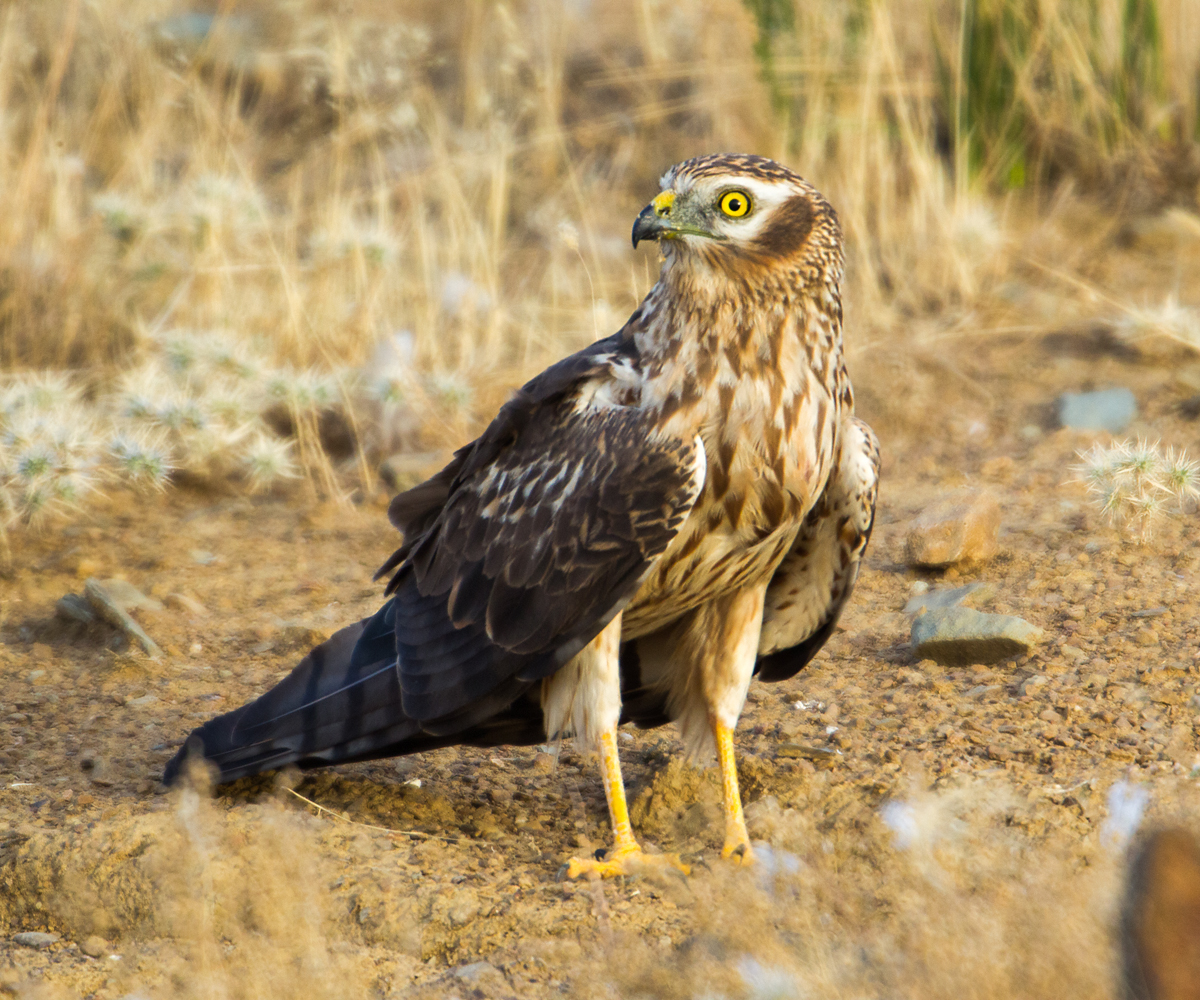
(662, 203)
(735, 204)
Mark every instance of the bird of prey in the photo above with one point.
(644, 526)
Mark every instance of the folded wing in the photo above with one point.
(813, 583)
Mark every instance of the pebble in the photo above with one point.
(803, 751)
(184, 602)
(202, 557)
(74, 608)
(464, 908)
(1031, 684)
(960, 527)
(35, 939)
(94, 946)
(405, 469)
(298, 637)
(962, 636)
(126, 596)
(480, 974)
(112, 612)
(1109, 410)
(928, 600)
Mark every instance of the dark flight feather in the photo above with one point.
(515, 556)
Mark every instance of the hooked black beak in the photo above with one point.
(663, 220)
(649, 225)
(654, 222)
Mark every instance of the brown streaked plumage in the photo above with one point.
(642, 528)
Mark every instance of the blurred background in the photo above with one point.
(283, 245)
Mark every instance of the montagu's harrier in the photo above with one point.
(644, 527)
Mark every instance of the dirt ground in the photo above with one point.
(1004, 770)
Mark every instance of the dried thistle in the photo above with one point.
(1137, 485)
(268, 460)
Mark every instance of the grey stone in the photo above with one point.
(479, 974)
(185, 602)
(960, 636)
(1109, 410)
(802, 751)
(94, 946)
(405, 469)
(111, 611)
(125, 595)
(974, 593)
(35, 939)
(464, 907)
(74, 608)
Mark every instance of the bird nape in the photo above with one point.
(644, 527)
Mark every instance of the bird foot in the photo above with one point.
(625, 861)
(738, 851)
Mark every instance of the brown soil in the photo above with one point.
(254, 893)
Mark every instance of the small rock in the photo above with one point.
(74, 608)
(961, 527)
(94, 946)
(1072, 652)
(971, 593)
(146, 699)
(1109, 410)
(1147, 637)
(803, 751)
(482, 975)
(962, 636)
(202, 557)
(1031, 684)
(111, 611)
(184, 602)
(86, 568)
(127, 597)
(298, 637)
(464, 908)
(35, 939)
(404, 470)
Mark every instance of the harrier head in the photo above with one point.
(738, 208)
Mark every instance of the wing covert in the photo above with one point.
(532, 553)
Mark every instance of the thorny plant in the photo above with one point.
(1136, 485)
(201, 406)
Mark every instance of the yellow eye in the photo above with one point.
(735, 203)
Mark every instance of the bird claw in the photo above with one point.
(625, 861)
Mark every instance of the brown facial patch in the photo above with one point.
(789, 228)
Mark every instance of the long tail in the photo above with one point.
(341, 704)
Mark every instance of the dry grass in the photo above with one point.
(317, 180)
(403, 215)
(943, 894)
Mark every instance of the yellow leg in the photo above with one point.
(626, 856)
(737, 840)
